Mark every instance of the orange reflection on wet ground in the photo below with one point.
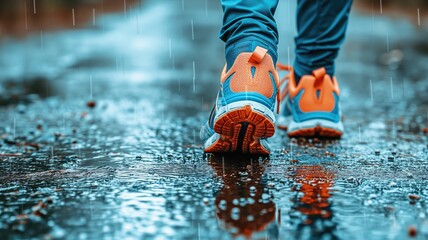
(242, 204)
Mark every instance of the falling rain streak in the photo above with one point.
(34, 6)
(14, 128)
(222, 162)
(130, 120)
(124, 9)
(194, 76)
(419, 18)
(372, 17)
(90, 87)
(387, 42)
(74, 19)
(380, 6)
(93, 16)
(41, 40)
(25, 14)
(193, 32)
(170, 48)
(359, 133)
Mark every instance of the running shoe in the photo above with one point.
(311, 107)
(243, 116)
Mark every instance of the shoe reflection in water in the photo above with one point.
(312, 199)
(242, 204)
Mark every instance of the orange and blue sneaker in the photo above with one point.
(311, 107)
(243, 116)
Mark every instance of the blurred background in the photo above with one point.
(41, 39)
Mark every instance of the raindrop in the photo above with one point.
(380, 6)
(371, 90)
(392, 90)
(377, 152)
(34, 6)
(222, 205)
(182, 5)
(235, 214)
(206, 8)
(392, 184)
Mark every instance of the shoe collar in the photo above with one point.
(318, 80)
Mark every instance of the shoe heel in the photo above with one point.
(242, 128)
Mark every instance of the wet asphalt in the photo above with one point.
(99, 136)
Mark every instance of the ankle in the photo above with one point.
(233, 50)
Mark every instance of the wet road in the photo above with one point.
(133, 166)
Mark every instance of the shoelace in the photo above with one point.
(283, 84)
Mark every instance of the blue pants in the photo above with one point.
(321, 27)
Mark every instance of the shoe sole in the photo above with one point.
(241, 131)
(315, 128)
(317, 131)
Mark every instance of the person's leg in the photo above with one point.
(243, 116)
(312, 106)
(247, 24)
(321, 27)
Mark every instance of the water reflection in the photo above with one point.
(313, 201)
(243, 204)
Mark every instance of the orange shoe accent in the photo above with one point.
(258, 55)
(229, 127)
(320, 82)
(243, 79)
